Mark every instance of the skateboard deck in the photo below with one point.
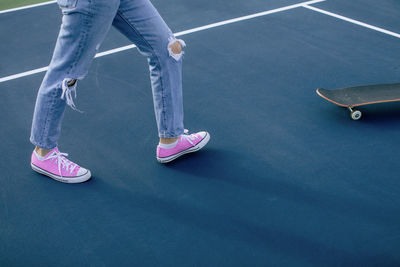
(355, 96)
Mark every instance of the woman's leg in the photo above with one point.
(84, 26)
(139, 21)
(85, 23)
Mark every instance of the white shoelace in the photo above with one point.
(190, 138)
(66, 93)
(62, 162)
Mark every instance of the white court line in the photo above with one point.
(26, 7)
(217, 24)
(202, 28)
(353, 21)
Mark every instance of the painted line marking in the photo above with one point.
(26, 7)
(352, 21)
(197, 29)
(23, 74)
(217, 24)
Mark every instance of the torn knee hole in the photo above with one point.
(69, 87)
(71, 83)
(175, 48)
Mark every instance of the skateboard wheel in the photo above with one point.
(356, 115)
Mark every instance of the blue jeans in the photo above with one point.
(85, 24)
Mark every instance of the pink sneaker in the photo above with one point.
(185, 144)
(58, 167)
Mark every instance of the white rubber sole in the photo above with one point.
(69, 180)
(197, 147)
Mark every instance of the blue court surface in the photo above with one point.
(288, 179)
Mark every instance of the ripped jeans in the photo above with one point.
(85, 24)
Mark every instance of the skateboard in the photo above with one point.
(351, 97)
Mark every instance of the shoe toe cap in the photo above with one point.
(202, 134)
(82, 171)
